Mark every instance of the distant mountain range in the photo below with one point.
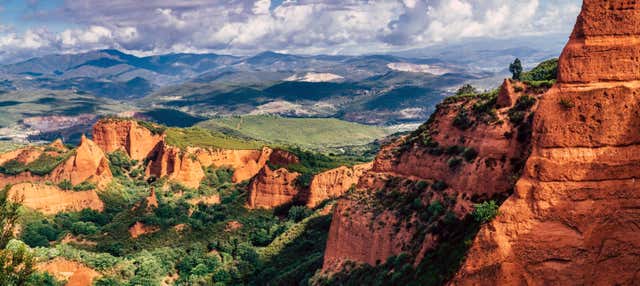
(402, 88)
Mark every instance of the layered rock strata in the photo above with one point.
(573, 219)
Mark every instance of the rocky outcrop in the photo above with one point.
(49, 199)
(126, 135)
(245, 163)
(139, 229)
(89, 163)
(573, 217)
(75, 273)
(508, 95)
(351, 237)
(334, 183)
(465, 154)
(176, 165)
(270, 189)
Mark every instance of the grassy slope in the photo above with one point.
(305, 132)
(198, 137)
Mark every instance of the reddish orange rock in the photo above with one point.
(508, 95)
(497, 157)
(89, 163)
(334, 183)
(270, 189)
(139, 229)
(51, 200)
(76, 274)
(125, 135)
(246, 163)
(573, 217)
(361, 238)
(177, 165)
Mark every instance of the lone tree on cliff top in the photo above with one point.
(516, 69)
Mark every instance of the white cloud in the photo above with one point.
(297, 26)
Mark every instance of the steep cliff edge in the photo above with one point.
(272, 188)
(88, 164)
(421, 188)
(334, 183)
(137, 141)
(573, 217)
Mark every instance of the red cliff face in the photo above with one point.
(465, 154)
(89, 163)
(245, 163)
(573, 217)
(177, 165)
(50, 200)
(126, 135)
(270, 189)
(334, 183)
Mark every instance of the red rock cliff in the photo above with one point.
(334, 183)
(269, 188)
(89, 163)
(573, 219)
(126, 135)
(466, 153)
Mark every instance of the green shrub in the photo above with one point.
(39, 234)
(462, 121)
(84, 186)
(65, 185)
(454, 163)
(298, 213)
(421, 185)
(85, 228)
(439, 186)
(454, 150)
(13, 167)
(469, 154)
(545, 71)
(485, 211)
(566, 103)
(120, 163)
(466, 89)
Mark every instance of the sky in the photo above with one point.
(241, 27)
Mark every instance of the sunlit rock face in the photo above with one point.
(573, 219)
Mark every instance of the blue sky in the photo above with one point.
(35, 27)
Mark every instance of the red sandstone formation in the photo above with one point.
(139, 229)
(281, 157)
(573, 219)
(246, 163)
(126, 135)
(76, 274)
(334, 183)
(177, 165)
(508, 95)
(151, 202)
(89, 163)
(51, 200)
(358, 235)
(269, 188)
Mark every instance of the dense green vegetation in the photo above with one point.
(314, 133)
(219, 244)
(545, 71)
(43, 165)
